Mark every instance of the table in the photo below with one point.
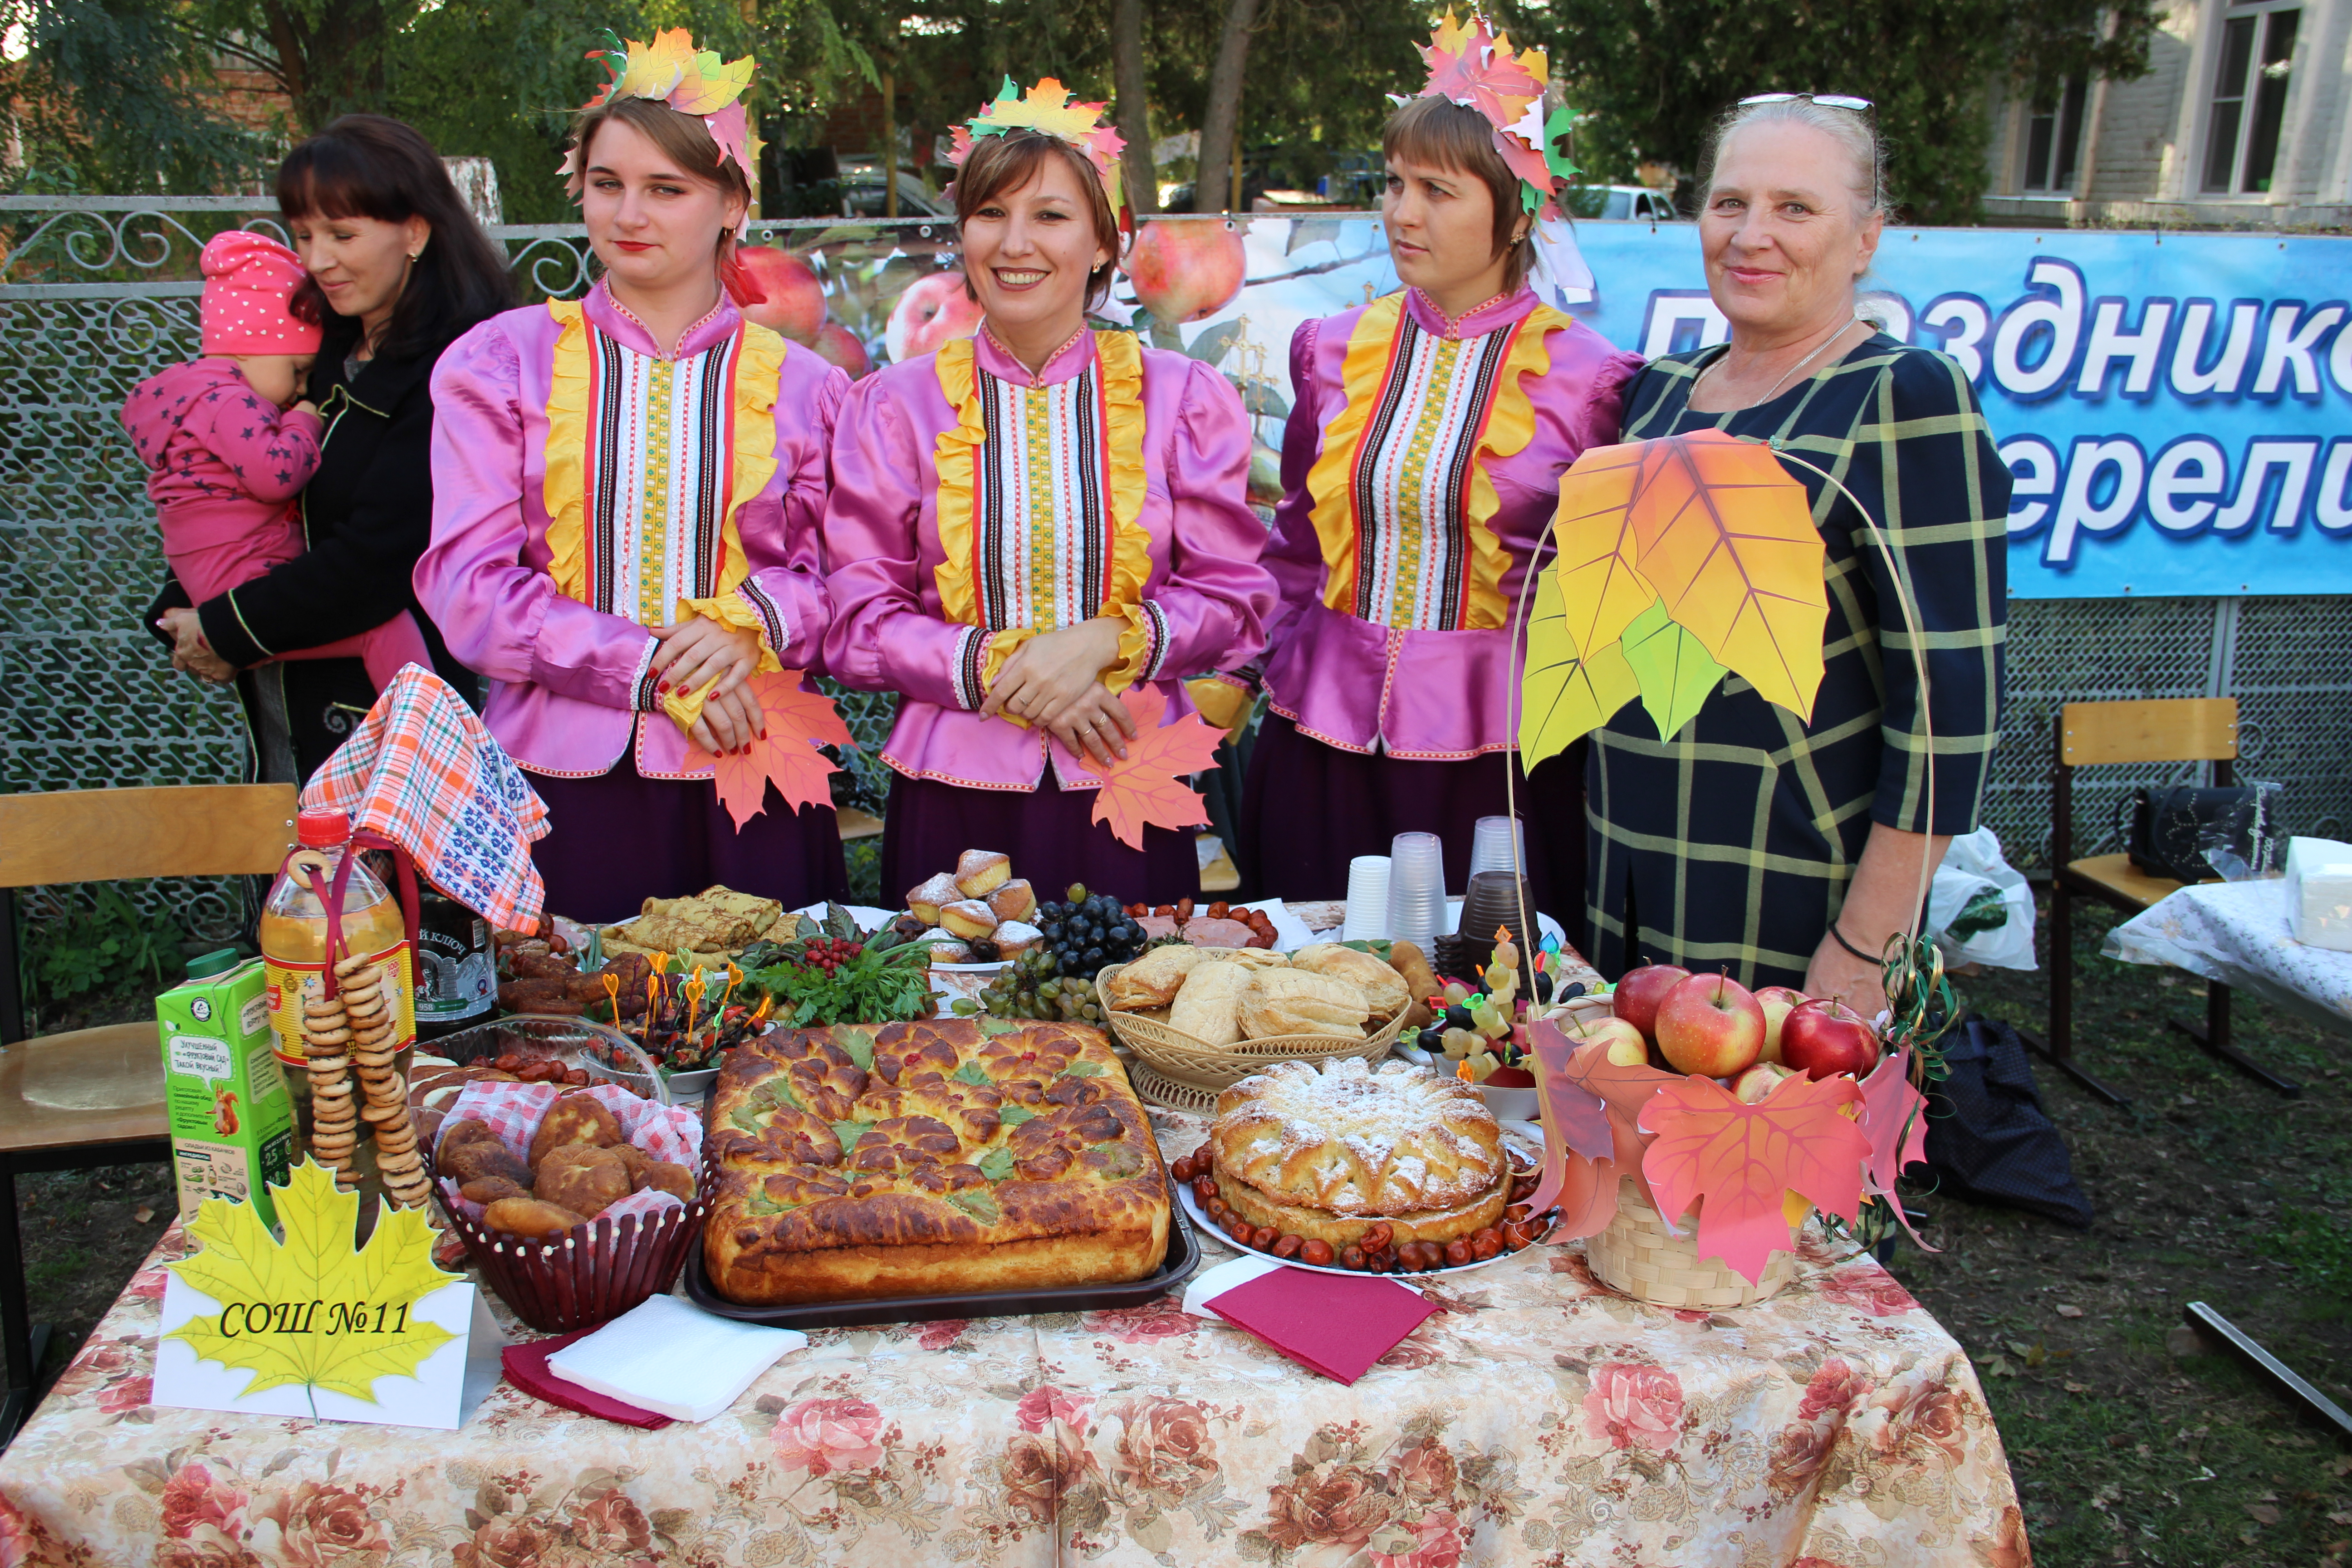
(2237, 933)
(1537, 1418)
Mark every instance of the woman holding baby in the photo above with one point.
(298, 586)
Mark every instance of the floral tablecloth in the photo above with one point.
(2237, 933)
(1537, 1418)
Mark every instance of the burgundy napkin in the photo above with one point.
(526, 1367)
(1337, 1324)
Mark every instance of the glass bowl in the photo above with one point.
(606, 1054)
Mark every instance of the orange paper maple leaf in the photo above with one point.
(798, 723)
(1147, 787)
(1596, 1107)
(1736, 1163)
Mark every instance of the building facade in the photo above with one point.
(2244, 119)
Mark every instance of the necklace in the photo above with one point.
(1785, 374)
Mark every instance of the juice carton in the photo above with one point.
(232, 1121)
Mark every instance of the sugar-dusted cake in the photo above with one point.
(1322, 1152)
(930, 1159)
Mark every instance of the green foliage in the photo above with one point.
(1656, 76)
(111, 943)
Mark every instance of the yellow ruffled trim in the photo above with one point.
(956, 453)
(565, 490)
(1330, 483)
(1510, 426)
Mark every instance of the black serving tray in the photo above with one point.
(1184, 1257)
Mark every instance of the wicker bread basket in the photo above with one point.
(1637, 1257)
(1209, 1069)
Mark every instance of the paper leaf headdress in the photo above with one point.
(1474, 66)
(693, 81)
(1048, 110)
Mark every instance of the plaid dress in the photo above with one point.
(1731, 845)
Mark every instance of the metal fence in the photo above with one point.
(97, 293)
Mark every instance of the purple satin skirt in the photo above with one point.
(618, 839)
(1049, 833)
(1309, 808)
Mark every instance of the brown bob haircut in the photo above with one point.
(1449, 135)
(683, 139)
(1007, 163)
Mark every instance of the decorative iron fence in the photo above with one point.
(97, 293)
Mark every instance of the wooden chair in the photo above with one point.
(2200, 728)
(95, 1096)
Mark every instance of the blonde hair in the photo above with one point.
(1854, 130)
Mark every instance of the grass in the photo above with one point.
(2131, 1441)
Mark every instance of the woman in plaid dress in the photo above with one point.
(1783, 851)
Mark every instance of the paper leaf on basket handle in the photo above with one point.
(798, 720)
(240, 1262)
(1595, 1105)
(1894, 1119)
(1716, 536)
(1147, 786)
(1753, 1170)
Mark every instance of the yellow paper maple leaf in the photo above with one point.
(312, 1311)
(710, 85)
(653, 70)
(1567, 692)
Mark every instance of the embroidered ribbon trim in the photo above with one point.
(1508, 423)
(956, 454)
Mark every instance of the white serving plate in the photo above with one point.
(1530, 1146)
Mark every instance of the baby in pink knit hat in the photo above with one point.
(227, 445)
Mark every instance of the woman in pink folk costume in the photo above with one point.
(228, 445)
(1428, 432)
(1026, 524)
(626, 493)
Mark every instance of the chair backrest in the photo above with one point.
(107, 835)
(2166, 730)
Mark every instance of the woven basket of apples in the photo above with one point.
(1700, 1124)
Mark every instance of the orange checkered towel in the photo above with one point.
(422, 771)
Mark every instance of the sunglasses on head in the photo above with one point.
(1826, 99)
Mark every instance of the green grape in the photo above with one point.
(964, 1007)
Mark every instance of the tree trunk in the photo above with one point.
(1221, 125)
(331, 61)
(1133, 113)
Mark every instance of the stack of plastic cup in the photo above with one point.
(1368, 898)
(1499, 844)
(1416, 889)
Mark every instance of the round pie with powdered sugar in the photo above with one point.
(1326, 1151)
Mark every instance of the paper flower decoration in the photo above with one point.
(1474, 66)
(1047, 107)
(693, 81)
(1678, 559)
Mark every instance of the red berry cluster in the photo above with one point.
(829, 953)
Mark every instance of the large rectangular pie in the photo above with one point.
(930, 1159)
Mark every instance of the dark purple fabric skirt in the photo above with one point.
(618, 839)
(1049, 833)
(1309, 809)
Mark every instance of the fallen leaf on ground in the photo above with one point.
(2070, 1311)
(142, 1213)
(2262, 1512)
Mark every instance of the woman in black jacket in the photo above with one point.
(398, 270)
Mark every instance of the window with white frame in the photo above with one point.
(2053, 139)
(2252, 71)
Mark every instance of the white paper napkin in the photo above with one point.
(673, 1359)
(1210, 1284)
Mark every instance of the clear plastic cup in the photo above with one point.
(1368, 898)
(1498, 843)
(1416, 889)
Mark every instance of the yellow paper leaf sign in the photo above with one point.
(313, 1310)
(1679, 558)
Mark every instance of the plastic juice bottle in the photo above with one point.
(294, 944)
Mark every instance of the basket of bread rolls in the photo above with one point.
(1207, 1018)
(576, 1204)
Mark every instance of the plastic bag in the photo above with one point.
(1979, 911)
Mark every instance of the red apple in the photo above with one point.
(1638, 994)
(795, 301)
(1826, 1037)
(1624, 1043)
(1777, 1002)
(1186, 269)
(1709, 1027)
(840, 345)
(933, 310)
